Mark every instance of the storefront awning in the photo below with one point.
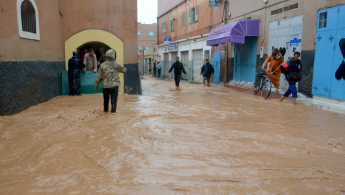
(234, 32)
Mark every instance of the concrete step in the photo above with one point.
(323, 105)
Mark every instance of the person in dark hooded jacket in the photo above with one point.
(292, 70)
(74, 67)
(178, 69)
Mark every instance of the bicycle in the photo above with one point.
(263, 84)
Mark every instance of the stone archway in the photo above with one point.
(95, 35)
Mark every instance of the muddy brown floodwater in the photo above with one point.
(194, 141)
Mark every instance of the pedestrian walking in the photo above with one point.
(109, 75)
(159, 67)
(292, 69)
(275, 60)
(178, 69)
(74, 67)
(90, 60)
(207, 71)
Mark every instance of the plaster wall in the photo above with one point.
(48, 48)
(208, 18)
(116, 17)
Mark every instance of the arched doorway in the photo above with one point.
(95, 38)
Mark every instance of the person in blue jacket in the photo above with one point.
(292, 70)
(207, 71)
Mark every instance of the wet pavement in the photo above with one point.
(194, 141)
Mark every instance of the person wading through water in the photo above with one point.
(74, 67)
(292, 69)
(178, 69)
(275, 59)
(109, 74)
(207, 71)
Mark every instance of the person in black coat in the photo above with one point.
(178, 69)
(207, 71)
(74, 67)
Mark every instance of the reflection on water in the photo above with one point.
(194, 141)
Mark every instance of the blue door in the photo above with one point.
(141, 67)
(216, 62)
(329, 55)
(338, 76)
(323, 64)
(146, 67)
(245, 60)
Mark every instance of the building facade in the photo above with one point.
(40, 37)
(312, 27)
(147, 46)
(187, 24)
(294, 25)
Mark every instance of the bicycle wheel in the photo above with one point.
(257, 85)
(266, 89)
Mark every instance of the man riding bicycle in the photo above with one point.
(275, 59)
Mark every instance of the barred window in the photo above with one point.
(28, 17)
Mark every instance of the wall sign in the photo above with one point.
(167, 39)
(172, 47)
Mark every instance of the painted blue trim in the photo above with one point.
(170, 64)
(190, 76)
(162, 69)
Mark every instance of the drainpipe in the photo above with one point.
(225, 11)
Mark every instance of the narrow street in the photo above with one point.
(194, 141)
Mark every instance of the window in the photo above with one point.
(164, 28)
(323, 20)
(152, 34)
(284, 9)
(172, 25)
(146, 48)
(139, 48)
(193, 15)
(183, 19)
(138, 33)
(28, 20)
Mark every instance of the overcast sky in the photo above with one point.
(147, 11)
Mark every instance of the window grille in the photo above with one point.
(284, 9)
(28, 17)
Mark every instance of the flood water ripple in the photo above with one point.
(194, 141)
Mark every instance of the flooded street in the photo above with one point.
(194, 141)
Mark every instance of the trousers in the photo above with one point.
(113, 92)
(177, 80)
(292, 89)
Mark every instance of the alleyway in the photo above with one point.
(194, 141)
